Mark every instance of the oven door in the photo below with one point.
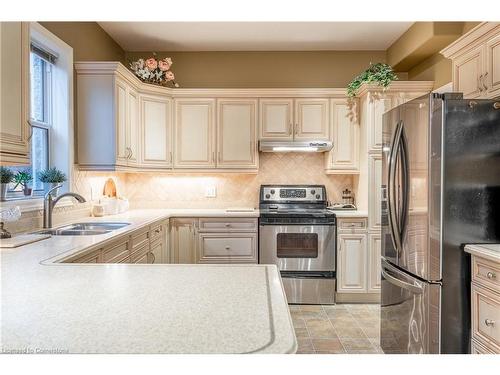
(298, 247)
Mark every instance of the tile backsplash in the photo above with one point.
(173, 190)
(147, 190)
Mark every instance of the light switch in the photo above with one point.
(210, 192)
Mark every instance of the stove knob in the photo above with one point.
(313, 192)
(268, 196)
(272, 191)
(318, 196)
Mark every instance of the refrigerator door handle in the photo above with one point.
(405, 184)
(391, 187)
(414, 288)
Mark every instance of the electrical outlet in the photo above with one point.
(210, 192)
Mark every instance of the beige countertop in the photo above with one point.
(350, 213)
(488, 251)
(139, 308)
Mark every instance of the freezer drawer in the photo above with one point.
(409, 313)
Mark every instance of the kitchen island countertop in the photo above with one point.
(139, 308)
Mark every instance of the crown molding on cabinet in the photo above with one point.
(398, 86)
(475, 36)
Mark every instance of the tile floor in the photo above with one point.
(337, 329)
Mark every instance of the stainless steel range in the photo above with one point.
(298, 233)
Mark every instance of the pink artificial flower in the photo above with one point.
(165, 64)
(151, 63)
(169, 76)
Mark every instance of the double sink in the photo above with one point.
(84, 229)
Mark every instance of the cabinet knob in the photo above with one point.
(491, 275)
(489, 322)
(157, 231)
(228, 225)
(228, 247)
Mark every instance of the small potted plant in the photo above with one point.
(6, 177)
(52, 177)
(24, 178)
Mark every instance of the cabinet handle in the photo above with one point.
(296, 129)
(491, 275)
(157, 231)
(171, 157)
(228, 247)
(290, 126)
(479, 83)
(489, 322)
(484, 84)
(154, 258)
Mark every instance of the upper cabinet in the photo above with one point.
(194, 133)
(237, 133)
(311, 119)
(344, 157)
(276, 119)
(14, 93)
(476, 61)
(156, 134)
(300, 119)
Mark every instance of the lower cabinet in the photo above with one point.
(351, 271)
(183, 240)
(358, 261)
(227, 248)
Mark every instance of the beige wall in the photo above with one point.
(267, 69)
(88, 39)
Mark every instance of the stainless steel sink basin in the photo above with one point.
(70, 232)
(84, 229)
(95, 226)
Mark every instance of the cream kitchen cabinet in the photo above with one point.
(227, 240)
(14, 93)
(300, 119)
(374, 191)
(183, 240)
(351, 263)
(195, 133)
(344, 157)
(237, 133)
(374, 263)
(156, 132)
(276, 119)
(108, 118)
(476, 62)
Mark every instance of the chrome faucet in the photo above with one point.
(49, 203)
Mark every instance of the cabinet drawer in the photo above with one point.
(477, 348)
(486, 316)
(139, 252)
(140, 238)
(157, 230)
(92, 257)
(352, 224)
(486, 273)
(228, 225)
(116, 252)
(237, 248)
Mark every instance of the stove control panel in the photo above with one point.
(293, 193)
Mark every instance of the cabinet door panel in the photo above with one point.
(237, 134)
(121, 123)
(276, 119)
(311, 119)
(194, 133)
(156, 253)
(375, 191)
(183, 241)
(378, 106)
(493, 66)
(345, 152)
(133, 127)
(224, 248)
(467, 70)
(14, 92)
(352, 263)
(156, 132)
(374, 267)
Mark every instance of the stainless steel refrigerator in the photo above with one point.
(440, 190)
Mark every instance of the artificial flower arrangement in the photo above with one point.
(153, 70)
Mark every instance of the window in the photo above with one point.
(40, 119)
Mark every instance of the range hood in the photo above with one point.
(290, 146)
